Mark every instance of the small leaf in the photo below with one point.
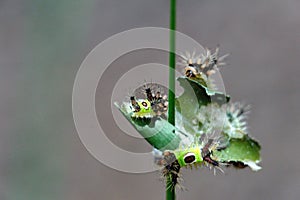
(204, 95)
(245, 150)
(194, 96)
(158, 132)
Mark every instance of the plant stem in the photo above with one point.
(171, 110)
(170, 190)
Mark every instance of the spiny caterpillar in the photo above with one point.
(141, 108)
(237, 115)
(195, 155)
(205, 64)
(151, 103)
(229, 118)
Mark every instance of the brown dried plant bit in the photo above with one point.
(237, 164)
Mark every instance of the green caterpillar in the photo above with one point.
(141, 108)
(149, 104)
(195, 155)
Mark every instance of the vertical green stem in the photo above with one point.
(170, 191)
(171, 111)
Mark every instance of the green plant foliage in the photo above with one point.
(195, 95)
(245, 150)
(158, 132)
(208, 129)
(200, 110)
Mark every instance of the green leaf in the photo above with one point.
(164, 136)
(158, 132)
(245, 150)
(197, 90)
(195, 95)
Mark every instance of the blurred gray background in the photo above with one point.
(42, 44)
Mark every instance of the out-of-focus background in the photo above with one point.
(42, 44)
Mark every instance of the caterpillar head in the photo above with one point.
(141, 108)
(156, 94)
